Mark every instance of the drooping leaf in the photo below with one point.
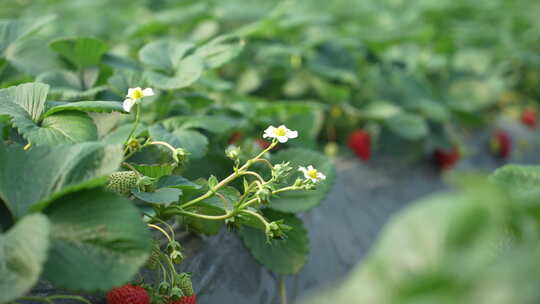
(296, 201)
(286, 256)
(23, 251)
(52, 172)
(97, 235)
(81, 51)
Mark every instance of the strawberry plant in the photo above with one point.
(125, 123)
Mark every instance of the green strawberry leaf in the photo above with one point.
(72, 85)
(211, 123)
(170, 68)
(97, 235)
(296, 201)
(523, 181)
(65, 127)
(23, 251)
(32, 56)
(192, 141)
(408, 126)
(286, 256)
(160, 196)
(29, 96)
(177, 181)
(155, 171)
(164, 55)
(86, 106)
(185, 74)
(81, 51)
(220, 50)
(12, 30)
(52, 172)
(26, 103)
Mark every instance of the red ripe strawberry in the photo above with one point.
(235, 138)
(185, 300)
(446, 159)
(128, 294)
(501, 143)
(360, 142)
(528, 118)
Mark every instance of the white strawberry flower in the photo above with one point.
(134, 95)
(281, 133)
(312, 174)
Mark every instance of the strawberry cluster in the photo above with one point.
(131, 294)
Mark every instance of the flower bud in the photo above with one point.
(232, 152)
(164, 288)
(173, 246)
(180, 156)
(176, 257)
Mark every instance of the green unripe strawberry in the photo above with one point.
(122, 182)
(176, 293)
(184, 282)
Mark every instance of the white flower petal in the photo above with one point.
(148, 92)
(321, 176)
(282, 139)
(128, 104)
(292, 134)
(270, 130)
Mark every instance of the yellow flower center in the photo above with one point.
(137, 94)
(313, 173)
(281, 131)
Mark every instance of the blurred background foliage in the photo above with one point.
(418, 71)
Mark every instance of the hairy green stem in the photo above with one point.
(258, 216)
(207, 217)
(137, 118)
(230, 178)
